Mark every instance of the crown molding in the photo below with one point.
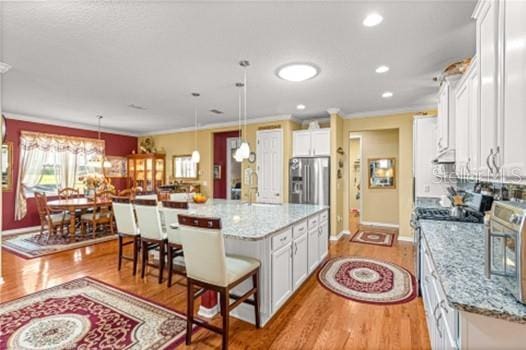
(4, 67)
(384, 112)
(66, 124)
(274, 118)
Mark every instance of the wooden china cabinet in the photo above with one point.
(146, 170)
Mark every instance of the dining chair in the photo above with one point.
(128, 192)
(101, 214)
(174, 247)
(126, 228)
(208, 267)
(152, 234)
(68, 193)
(53, 220)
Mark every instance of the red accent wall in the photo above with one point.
(220, 159)
(116, 145)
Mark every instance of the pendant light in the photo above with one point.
(196, 156)
(97, 162)
(237, 155)
(244, 149)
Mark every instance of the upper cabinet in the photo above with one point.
(311, 143)
(446, 119)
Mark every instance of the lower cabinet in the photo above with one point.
(323, 240)
(281, 275)
(313, 249)
(300, 262)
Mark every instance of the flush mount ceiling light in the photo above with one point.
(301, 107)
(372, 19)
(387, 94)
(298, 72)
(382, 69)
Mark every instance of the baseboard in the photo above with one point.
(381, 224)
(405, 239)
(17, 231)
(208, 313)
(339, 235)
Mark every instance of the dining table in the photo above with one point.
(71, 205)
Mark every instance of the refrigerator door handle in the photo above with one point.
(306, 188)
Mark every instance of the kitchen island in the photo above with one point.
(290, 241)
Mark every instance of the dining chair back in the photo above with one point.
(124, 216)
(149, 219)
(53, 220)
(68, 193)
(129, 192)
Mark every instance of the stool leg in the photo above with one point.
(170, 265)
(136, 242)
(120, 252)
(225, 312)
(189, 311)
(162, 246)
(144, 257)
(255, 281)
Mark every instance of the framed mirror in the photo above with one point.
(382, 173)
(7, 166)
(184, 168)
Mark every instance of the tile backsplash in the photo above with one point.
(500, 191)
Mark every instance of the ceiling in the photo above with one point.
(74, 60)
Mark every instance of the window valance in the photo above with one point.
(60, 143)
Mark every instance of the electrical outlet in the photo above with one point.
(427, 188)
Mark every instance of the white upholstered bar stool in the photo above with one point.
(147, 195)
(126, 228)
(208, 266)
(171, 210)
(152, 233)
(181, 196)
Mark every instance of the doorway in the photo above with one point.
(355, 178)
(226, 171)
(270, 166)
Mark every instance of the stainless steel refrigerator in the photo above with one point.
(309, 180)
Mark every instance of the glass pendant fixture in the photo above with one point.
(237, 155)
(196, 156)
(97, 162)
(244, 149)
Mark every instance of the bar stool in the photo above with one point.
(208, 267)
(174, 247)
(152, 234)
(126, 228)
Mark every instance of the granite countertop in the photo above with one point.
(457, 250)
(427, 202)
(253, 222)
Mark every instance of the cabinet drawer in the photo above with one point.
(313, 222)
(299, 229)
(281, 239)
(324, 216)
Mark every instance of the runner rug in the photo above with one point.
(368, 280)
(88, 314)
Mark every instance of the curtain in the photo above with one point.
(34, 150)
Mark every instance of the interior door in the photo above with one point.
(270, 166)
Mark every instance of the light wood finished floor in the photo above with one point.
(313, 318)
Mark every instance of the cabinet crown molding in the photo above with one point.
(333, 110)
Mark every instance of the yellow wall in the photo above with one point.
(404, 123)
(378, 205)
(337, 184)
(354, 154)
(180, 143)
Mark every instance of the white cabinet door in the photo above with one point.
(281, 276)
(511, 154)
(270, 165)
(323, 240)
(301, 143)
(300, 263)
(462, 125)
(313, 249)
(443, 118)
(321, 142)
(487, 54)
(473, 132)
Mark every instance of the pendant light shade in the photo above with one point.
(244, 150)
(237, 156)
(196, 156)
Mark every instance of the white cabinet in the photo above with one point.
(311, 143)
(323, 240)
(300, 264)
(462, 126)
(446, 119)
(281, 275)
(313, 256)
(511, 157)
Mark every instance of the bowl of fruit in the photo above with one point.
(199, 198)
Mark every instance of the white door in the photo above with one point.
(300, 263)
(313, 254)
(281, 276)
(323, 240)
(513, 128)
(462, 120)
(301, 143)
(321, 142)
(270, 166)
(487, 44)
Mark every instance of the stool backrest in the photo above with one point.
(149, 219)
(146, 195)
(204, 249)
(171, 212)
(180, 197)
(124, 216)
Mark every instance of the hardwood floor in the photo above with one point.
(313, 318)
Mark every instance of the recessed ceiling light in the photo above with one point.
(387, 94)
(298, 72)
(372, 19)
(301, 107)
(382, 69)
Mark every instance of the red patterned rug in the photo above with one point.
(376, 238)
(368, 280)
(88, 314)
